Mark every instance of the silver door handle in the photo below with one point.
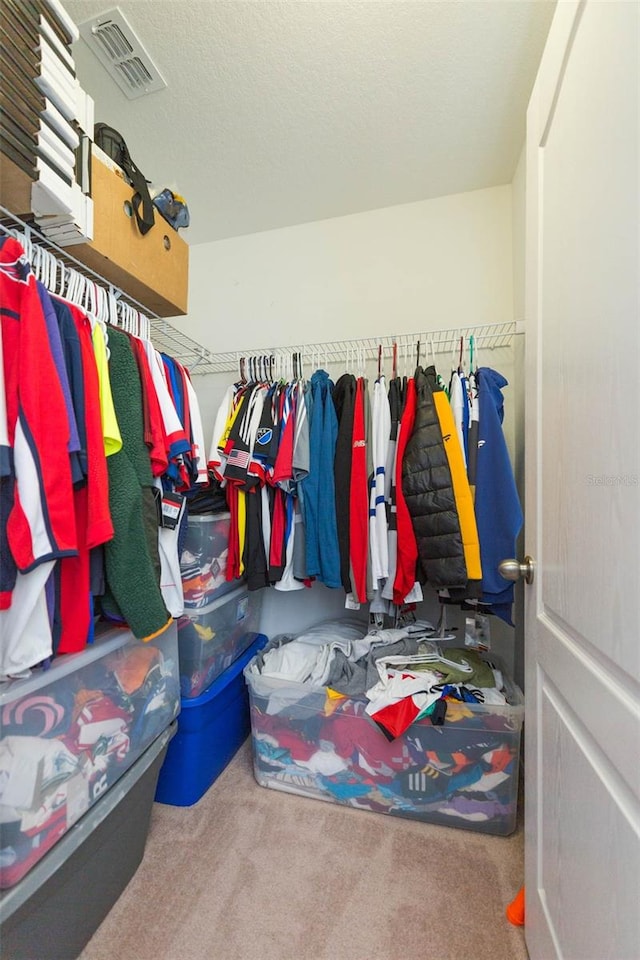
(514, 570)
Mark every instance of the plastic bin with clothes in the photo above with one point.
(211, 729)
(71, 731)
(443, 757)
(212, 638)
(203, 561)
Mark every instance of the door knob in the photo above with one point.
(514, 570)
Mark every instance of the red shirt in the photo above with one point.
(359, 499)
(40, 525)
(407, 546)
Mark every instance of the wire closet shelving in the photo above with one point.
(199, 360)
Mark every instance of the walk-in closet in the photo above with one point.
(319, 480)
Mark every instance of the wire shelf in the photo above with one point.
(488, 336)
(200, 361)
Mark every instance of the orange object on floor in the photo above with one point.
(515, 910)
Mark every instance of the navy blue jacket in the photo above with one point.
(498, 511)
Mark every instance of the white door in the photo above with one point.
(583, 490)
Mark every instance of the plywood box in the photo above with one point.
(154, 269)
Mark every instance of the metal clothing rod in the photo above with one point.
(487, 336)
(410, 347)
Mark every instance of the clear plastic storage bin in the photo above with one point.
(210, 639)
(69, 732)
(203, 563)
(461, 774)
(211, 729)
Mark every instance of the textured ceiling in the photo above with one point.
(279, 113)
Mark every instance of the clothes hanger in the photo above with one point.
(461, 665)
(38, 264)
(454, 353)
(45, 260)
(133, 320)
(61, 279)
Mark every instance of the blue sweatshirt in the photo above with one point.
(498, 511)
(323, 556)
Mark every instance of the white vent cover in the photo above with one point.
(119, 50)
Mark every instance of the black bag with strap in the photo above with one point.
(114, 145)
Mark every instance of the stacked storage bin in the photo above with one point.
(217, 637)
(81, 748)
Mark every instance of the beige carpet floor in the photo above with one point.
(254, 874)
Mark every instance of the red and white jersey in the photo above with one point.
(41, 525)
(378, 527)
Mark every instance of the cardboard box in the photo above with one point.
(153, 269)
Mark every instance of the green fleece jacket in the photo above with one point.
(132, 565)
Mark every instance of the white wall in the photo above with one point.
(413, 268)
(437, 263)
(417, 267)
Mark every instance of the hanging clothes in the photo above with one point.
(458, 399)
(176, 441)
(497, 505)
(379, 486)
(78, 474)
(132, 561)
(344, 394)
(91, 504)
(284, 477)
(407, 545)
(56, 512)
(463, 498)
(321, 529)
(396, 401)
(37, 525)
(358, 498)
(428, 488)
(472, 434)
(154, 433)
(301, 468)
(401, 508)
(110, 428)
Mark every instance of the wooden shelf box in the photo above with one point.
(154, 269)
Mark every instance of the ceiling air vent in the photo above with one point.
(121, 53)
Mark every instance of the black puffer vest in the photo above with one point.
(428, 491)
